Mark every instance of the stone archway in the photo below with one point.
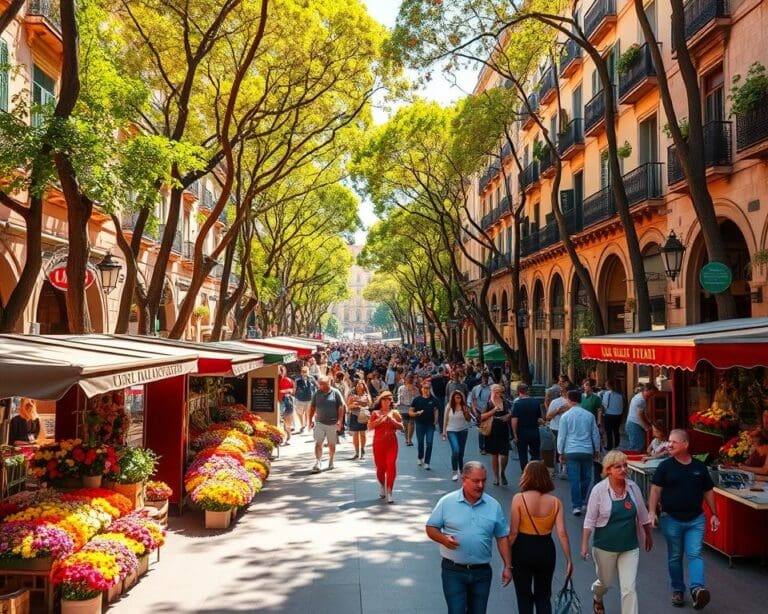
(9, 276)
(579, 306)
(612, 293)
(557, 322)
(539, 332)
(51, 312)
(701, 306)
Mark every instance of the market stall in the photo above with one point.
(303, 348)
(714, 384)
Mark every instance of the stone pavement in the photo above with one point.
(326, 543)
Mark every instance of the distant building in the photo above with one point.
(355, 313)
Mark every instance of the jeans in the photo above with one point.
(425, 431)
(458, 441)
(579, 468)
(684, 537)
(612, 435)
(466, 590)
(528, 438)
(440, 412)
(636, 434)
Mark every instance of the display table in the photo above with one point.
(640, 473)
(743, 528)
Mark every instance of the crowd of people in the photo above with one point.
(356, 390)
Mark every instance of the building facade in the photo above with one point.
(30, 66)
(355, 312)
(720, 38)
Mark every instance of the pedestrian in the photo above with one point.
(464, 523)
(578, 444)
(556, 409)
(385, 421)
(285, 388)
(617, 515)
(613, 404)
(553, 392)
(456, 430)
(534, 514)
(497, 443)
(638, 419)
(478, 399)
(326, 417)
(424, 412)
(358, 400)
(305, 386)
(456, 383)
(682, 484)
(659, 446)
(439, 383)
(526, 417)
(391, 376)
(405, 395)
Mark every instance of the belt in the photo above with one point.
(454, 565)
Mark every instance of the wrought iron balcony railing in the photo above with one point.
(597, 14)
(698, 13)
(639, 70)
(752, 127)
(570, 54)
(599, 206)
(717, 150)
(643, 183)
(572, 136)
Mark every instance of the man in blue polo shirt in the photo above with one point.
(464, 523)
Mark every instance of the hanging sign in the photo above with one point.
(715, 277)
(58, 277)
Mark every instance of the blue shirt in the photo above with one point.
(577, 432)
(613, 402)
(473, 525)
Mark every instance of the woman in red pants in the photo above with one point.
(385, 421)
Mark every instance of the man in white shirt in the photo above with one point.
(557, 407)
(638, 419)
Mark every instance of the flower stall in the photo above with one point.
(719, 386)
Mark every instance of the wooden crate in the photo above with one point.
(15, 603)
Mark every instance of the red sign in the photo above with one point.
(58, 277)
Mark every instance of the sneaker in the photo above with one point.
(700, 597)
(330, 466)
(577, 511)
(382, 492)
(678, 599)
(483, 452)
(390, 498)
(426, 466)
(504, 480)
(421, 463)
(455, 476)
(316, 468)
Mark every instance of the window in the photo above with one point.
(650, 13)
(605, 169)
(714, 99)
(649, 141)
(43, 93)
(4, 70)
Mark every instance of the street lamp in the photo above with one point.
(672, 252)
(109, 271)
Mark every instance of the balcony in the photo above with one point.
(570, 142)
(486, 221)
(529, 244)
(643, 183)
(717, 155)
(191, 193)
(43, 22)
(223, 216)
(594, 113)
(217, 272)
(558, 318)
(599, 19)
(539, 320)
(207, 201)
(599, 206)
(497, 263)
(705, 20)
(128, 224)
(570, 58)
(547, 90)
(639, 78)
(488, 176)
(530, 177)
(752, 131)
(177, 245)
(549, 235)
(504, 207)
(547, 163)
(188, 250)
(526, 118)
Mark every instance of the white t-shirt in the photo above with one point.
(556, 404)
(636, 405)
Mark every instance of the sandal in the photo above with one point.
(597, 607)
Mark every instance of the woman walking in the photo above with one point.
(533, 515)
(456, 429)
(357, 400)
(385, 421)
(405, 396)
(497, 443)
(618, 516)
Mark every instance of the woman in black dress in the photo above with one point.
(497, 443)
(25, 428)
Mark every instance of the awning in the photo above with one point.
(319, 344)
(272, 355)
(724, 344)
(492, 352)
(45, 367)
(302, 349)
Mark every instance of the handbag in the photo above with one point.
(363, 415)
(566, 601)
(486, 426)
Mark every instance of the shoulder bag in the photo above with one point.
(363, 415)
(486, 426)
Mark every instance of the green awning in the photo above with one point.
(492, 352)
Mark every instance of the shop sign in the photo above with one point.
(58, 277)
(715, 277)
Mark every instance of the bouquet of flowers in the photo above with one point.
(715, 420)
(139, 528)
(157, 491)
(85, 574)
(31, 539)
(126, 560)
(107, 420)
(219, 495)
(135, 465)
(737, 449)
(95, 460)
(54, 461)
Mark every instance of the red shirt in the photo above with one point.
(285, 384)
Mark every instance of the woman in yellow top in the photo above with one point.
(534, 514)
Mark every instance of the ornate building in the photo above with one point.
(355, 312)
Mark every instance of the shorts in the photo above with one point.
(325, 431)
(301, 406)
(404, 414)
(287, 411)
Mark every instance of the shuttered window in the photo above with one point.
(4, 70)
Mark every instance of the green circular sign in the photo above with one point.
(715, 277)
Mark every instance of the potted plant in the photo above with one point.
(627, 58)
(94, 462)
(83, 576)
(682, 124)
(625, 150)
(136, 465)
(539, 150)
(747, 97)
(156, 495)
(201, 312)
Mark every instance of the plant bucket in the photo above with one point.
(143, 564)
(218, 520)
(86, 606)
(134, 492)
(92, 481)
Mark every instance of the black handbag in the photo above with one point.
(566, 601)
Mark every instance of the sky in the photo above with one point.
(439, 89)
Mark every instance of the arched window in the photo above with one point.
(557, 303)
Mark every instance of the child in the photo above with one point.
(658, 448)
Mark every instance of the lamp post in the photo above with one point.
(672, 253)
(109, 271)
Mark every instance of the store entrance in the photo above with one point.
(52, 311)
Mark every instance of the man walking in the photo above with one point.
(526, 417)
(478, 400)
(424, 411)
(328, 407)
(306, 386)
(682, 483)
(613, 405)
(464, 522)
(638, 419)
(578, 444)
(439, 383)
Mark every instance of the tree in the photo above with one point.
(381, 318)
(331, 325)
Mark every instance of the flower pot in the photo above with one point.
(130, 580)
(92, 481)
(112, 593)
(134, 492)
(86, 606)
(143, 564)
(39, 564)
(158, 511)
(217, 520)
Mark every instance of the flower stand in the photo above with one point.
(217, 520)
(143, 565)
(134, 492)
(92, 481)
(86, 606)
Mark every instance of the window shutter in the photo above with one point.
(3, 75)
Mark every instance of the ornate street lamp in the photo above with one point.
(672, 252)
(109, 271)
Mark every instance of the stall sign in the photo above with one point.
(263, 394)
(715, 277)
(58, 277)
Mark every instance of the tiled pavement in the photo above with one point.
(325, 543)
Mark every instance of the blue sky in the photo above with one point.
(439, 89)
